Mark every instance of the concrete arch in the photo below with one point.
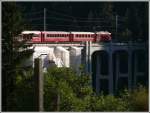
(100, 71)
(140, 67)
(121, 70)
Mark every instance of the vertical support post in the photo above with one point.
(116, 25)
(38, 83)
(117, 71)
(86, 56)
(110, 73)
(135, 69)
(44, 19)
(97, 74)
(129, 70)
(89, 57)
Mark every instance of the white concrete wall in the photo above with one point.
(75, 58)
(38, 51)
(63, 55)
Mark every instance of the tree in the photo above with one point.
(12, 25)
(107, 13)
(66, 90)
(90, 21)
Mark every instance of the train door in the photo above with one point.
(71, 37)
(42, 36)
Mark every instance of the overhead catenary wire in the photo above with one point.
(32, 13)
(73, 17)
(77, 18)
(102, 22)
(70, 25)
(62, 19)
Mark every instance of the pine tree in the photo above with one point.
(90, 23)
(12, 25)
(107, 13)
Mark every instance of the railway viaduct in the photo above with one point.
(113, 66)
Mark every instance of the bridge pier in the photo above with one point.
(110, 68)
(120, 57)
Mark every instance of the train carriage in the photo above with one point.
(34, 36)
(83, 36)
(56, 36)
(103, 36)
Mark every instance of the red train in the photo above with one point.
(62, 36)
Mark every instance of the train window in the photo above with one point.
(88, 35)
(76, 35)
(63, 35)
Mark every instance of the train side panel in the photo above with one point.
(54, 36)
(82, 36)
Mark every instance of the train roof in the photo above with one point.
(55, 32)
(74, 32)
(29, 32)
(103, 32)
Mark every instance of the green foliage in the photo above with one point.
(137, 100)
(12, 25)
(72, 89)
(21, 98)
(109, 103)
(74, 93)
(66, 91)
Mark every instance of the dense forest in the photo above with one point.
(125, 20)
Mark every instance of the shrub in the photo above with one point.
(109, 103)
(137, 99)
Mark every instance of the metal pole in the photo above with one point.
(116, 25)
(44, 19)
(38, 83)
